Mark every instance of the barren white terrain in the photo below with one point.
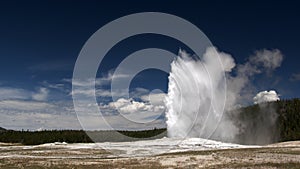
(131, 149)
(159, 153)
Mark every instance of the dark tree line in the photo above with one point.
(289, 119)
(75, 136)
(41, 137)
(268, 122)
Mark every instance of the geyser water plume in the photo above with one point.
(197, 92)
(198, 96)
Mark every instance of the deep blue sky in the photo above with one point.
(40, 40)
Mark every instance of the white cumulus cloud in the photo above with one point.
(133, 110)
(154, 98)
(266, 96)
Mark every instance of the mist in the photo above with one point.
(204, 97)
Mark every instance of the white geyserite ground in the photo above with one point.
(140, 148)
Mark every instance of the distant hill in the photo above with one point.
(285, 115)
(267, 123)
(2, 129)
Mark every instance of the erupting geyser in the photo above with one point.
(197, 91)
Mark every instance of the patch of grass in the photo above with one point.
(2, 161)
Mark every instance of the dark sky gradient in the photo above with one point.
(40, 40)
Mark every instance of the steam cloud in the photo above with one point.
(194, 99)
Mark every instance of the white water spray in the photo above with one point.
(197, 93)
